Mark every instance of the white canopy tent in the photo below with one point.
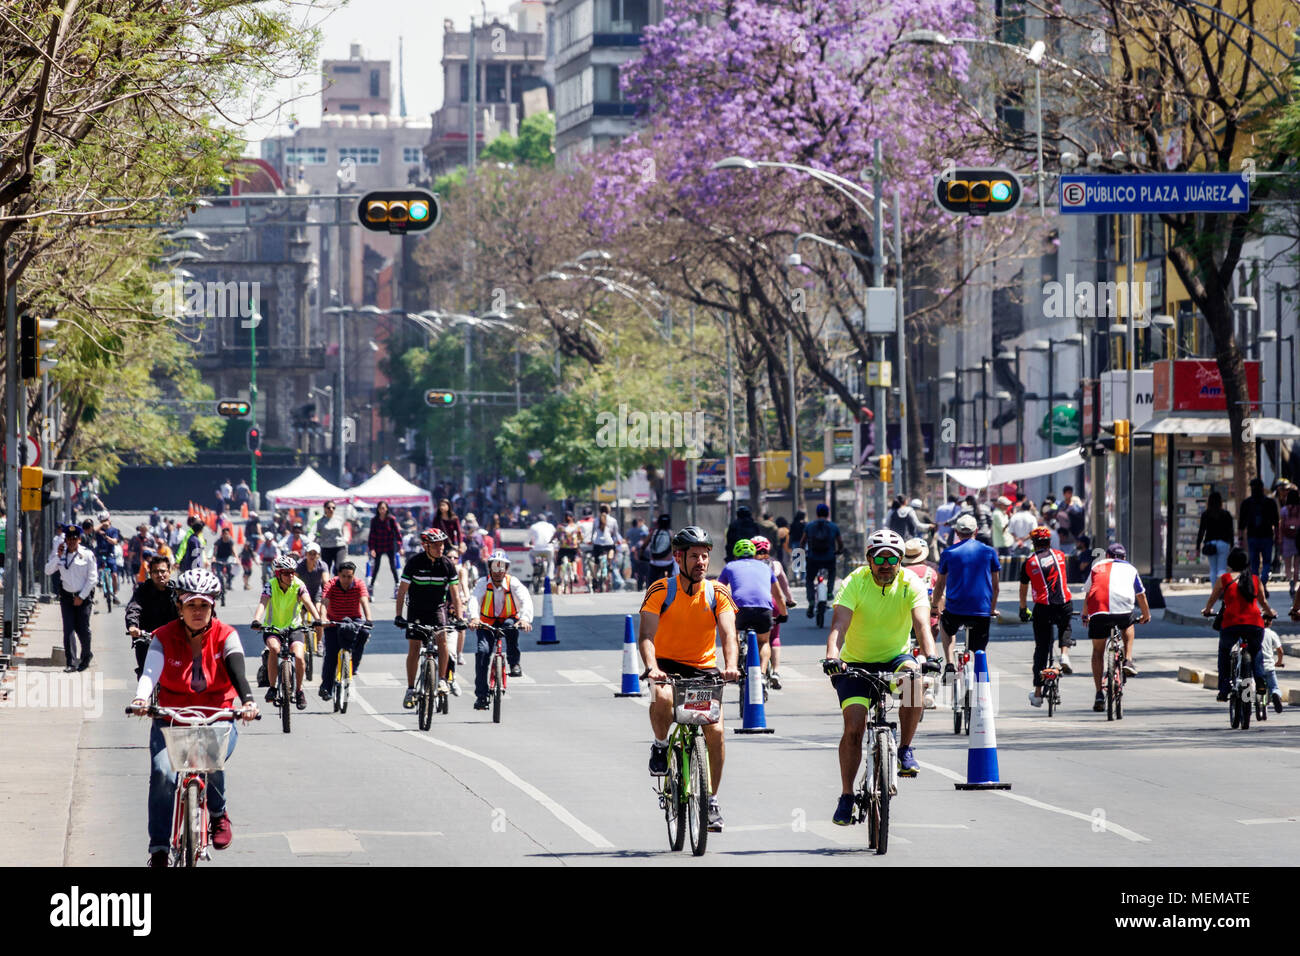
(997, 474)
(308, 490)
(387, 485)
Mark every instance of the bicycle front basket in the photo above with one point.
(197, 749)
(697, 705)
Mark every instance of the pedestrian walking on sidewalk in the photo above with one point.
(75, 564)
(1214, 537)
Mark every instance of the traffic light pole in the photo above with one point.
(252, 407)
(11, 460)
(1126, 466)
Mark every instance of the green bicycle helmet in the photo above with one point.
(744, 548)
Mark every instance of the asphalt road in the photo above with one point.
(563, 780)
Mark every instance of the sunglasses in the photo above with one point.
(883, 559)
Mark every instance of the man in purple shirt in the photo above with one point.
(755, 591)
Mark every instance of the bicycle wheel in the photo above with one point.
(697, 810)
(190, 835)
(674, 800)
(742, 665)
(1119, 688)
(1234, 710)
(343, 687)
(1050, 693)
(286, 692)
(1110, 689)
(1244, 710)
(308, 654)
(424, 696)
(498, 668)
(880, 799)
(965, 709)
(957, 697)
(821, 614)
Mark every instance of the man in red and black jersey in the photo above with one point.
(1044, 571)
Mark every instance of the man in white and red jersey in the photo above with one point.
(1114, 590)
(1044, 572)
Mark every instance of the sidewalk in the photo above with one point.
(42, 711)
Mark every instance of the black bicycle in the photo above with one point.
(429, 697)
(284, 695)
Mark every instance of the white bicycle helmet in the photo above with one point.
(885, 541)
(499, 558)
(197, 584)
(285, 563)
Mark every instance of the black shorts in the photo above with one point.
(570, 553)
(1099, 625)
(677, 669)
(437, 617)
(1048, 617)
(598, 549)
(977, 628)
(756, 619)
(855, 689)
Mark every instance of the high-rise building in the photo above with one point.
(356, 85)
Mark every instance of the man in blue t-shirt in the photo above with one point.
(966, 592)
(755, 592)
(821, 543)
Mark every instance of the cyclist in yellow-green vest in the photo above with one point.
(285, 596)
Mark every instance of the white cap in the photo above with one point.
(312, 547)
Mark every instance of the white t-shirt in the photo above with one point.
(1021, 523)
(540, 535)
(1268, 649)
(608, 535)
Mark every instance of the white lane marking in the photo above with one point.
(1030, 801)
(755, 827)
(505, 773)
(371, 679)
(788, 673)
(846, 836)
(582, 677)
(400, 833)
(322, 841)
(643, 700)
(1263, 820)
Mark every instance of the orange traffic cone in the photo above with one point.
(243, 512)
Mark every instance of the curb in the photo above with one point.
(1196, 620)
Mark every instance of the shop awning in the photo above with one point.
(1205, 426)
(836, 473)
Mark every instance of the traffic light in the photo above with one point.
(230, 408)
(978, 192)
(1123, 434)
(30, 481)
(1108, 439)
(31, 331)
(886, 465)
(439, 398)
(255, 441)
(399, 210)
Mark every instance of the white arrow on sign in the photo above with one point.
(1235, 194)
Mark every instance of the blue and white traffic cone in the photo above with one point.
(548, 617)
(631, 663)
(755, 713)
(982, 758)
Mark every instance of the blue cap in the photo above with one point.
(1116, 551)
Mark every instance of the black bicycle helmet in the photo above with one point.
(692, 536)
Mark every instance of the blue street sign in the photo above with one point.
(1154, 193)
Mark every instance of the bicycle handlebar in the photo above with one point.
(196, 716)
(704, 680)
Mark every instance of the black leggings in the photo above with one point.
(1047, 619)
(374, 568)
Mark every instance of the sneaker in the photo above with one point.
(1222, 696)
(454, 686)
(1277, 702)
(481, 703)
(715, 816)
(325, 693)
(409, 700)
(775, 680)
(949, 668)
(300, 700)
(1035, 700)
(810, 609)
(843, 811)
(159, 859)
(907, 765)
(1100, 703)
(1065, 664)
(442, 687)
(658, 760)
(222, 834)
(270, 696)
(1130, 669)
(460, 659)
(516, 671)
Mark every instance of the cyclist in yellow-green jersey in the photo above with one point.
(283, 600)
(875, 612)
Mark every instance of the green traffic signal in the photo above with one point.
(398, 210)
(439, 398)
(229, 408)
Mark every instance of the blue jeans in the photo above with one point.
(162, 789)
(486, 647)
(1218, 560)
(1260, 548)
(1265, 675)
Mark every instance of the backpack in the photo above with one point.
(670, 593)
(820, 536)
(661, 544)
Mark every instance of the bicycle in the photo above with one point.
(963, 678)
(343, 670)
(498, 671)
(540, 563)
(195, 749)
(684, 790)
(428, 698)
(567, 575)
(1051, 675)
(106, 586)
(315, 647)
(1114, 674)
(878, 781)
(227, 576)
(601, 580)
(284, 695)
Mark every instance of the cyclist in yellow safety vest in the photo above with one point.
(497, 598)
(286, 597)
